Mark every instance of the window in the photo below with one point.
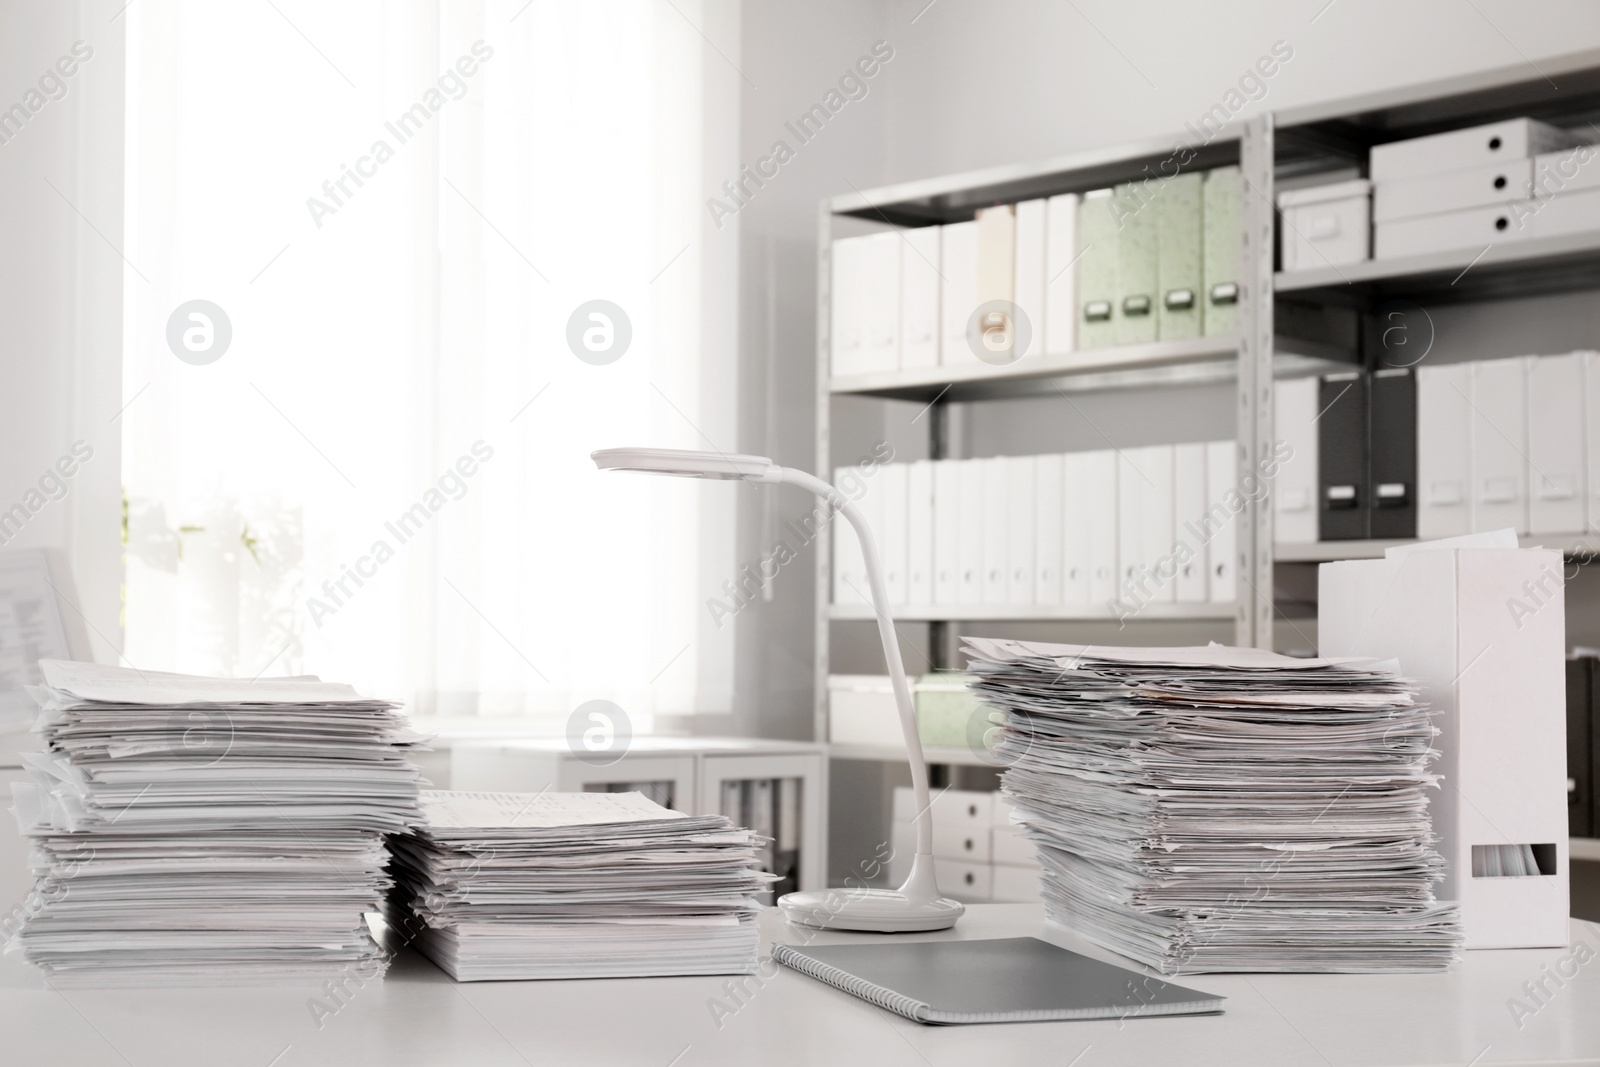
(364, 453)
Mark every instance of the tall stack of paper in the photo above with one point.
(203, 830)
(514, 886)
(1225, 809)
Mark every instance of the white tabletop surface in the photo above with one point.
(418, 1016)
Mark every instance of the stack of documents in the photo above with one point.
(1225, 809)
(575, 885)
(188, 830)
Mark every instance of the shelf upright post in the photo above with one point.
(824, 413)
(1255, 445)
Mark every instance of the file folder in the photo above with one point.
(1178, 259)
(1556, 445)
(844, 307)
(946, 532)
(1048, 545)
(1020, 555)
(1189, 502)
(1102, 507)
(1029, 272)
(958, 297)
(919, 298)
(879, 307)
(1444, 451)
(1061, 275)
(1158, 530)
(1098, 287)
(1223, 253)
(849, 567)
(1131, 571)
(919, 532)
(1392, 453)
(1294, 492)
(889, 488)
(1222, 480)
(1500, 444)
(1138, 246)
(1591, 438)
(997, 265)
(972, 530)
(996, 513)
(1342, 457)
(1079, 504)
(1580, 745)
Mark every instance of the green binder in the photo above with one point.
(1224, 201)
(1178, 267)
(1097, 270)
(1138, 221)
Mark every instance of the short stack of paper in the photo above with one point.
(1225, 809)
(201, 830)
(575, 885)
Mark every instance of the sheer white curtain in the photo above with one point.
(384, 478)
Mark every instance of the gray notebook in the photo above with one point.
(1008, 980)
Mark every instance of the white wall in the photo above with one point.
(61, 294)
(990, 83)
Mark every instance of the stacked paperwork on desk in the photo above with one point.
(1224, 809)
(575, 885)
(200, 830)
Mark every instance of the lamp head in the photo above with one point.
(683, 463)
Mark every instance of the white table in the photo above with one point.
(418, 1016)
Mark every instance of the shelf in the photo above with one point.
(962, 757)
(1031, 612)
(1326, 551)
(1520, 267)
(1583, 547)
(956, 198)
(1193, 361)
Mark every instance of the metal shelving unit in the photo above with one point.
(1326, 312)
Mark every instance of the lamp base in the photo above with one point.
(883, 911)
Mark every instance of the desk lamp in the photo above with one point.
(916, 905)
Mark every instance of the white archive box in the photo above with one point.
(972, 882)
(956, 839)
(1566, 212)
(1029, 276)
(845, 318)
(1014, 885)
(862, 710)
(1294, 490)
(1499, 437)
(1444, 450)
(1473, 227)
(972, 808)
(958, 291)
(1463, 149)
(1008, 846)
(1482, 629)
(878, 305)
(1061, 281)
(1569, 170)
(1556, 458)
(1497, 183)
(1326, 225)
(919, 298)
